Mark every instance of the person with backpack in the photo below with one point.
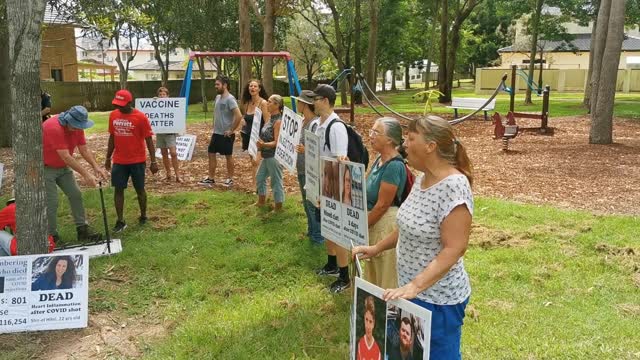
(386, 184)
(335, 145)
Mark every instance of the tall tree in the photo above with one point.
(608, 49)
(158, 24)
(535, 30)
(24, 22)
(244, 23)
(372, 49)
(5, 91)
(307, 48)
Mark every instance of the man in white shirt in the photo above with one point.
(324, 99)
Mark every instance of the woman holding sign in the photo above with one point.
(385, 185)
(433, 226)
(253, 97)
(269, 167)
(167, 145)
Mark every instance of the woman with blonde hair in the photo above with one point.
(432, 234)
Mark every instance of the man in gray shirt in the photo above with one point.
(226, 120)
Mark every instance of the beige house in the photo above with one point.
(150, 70)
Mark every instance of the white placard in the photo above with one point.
(185, 145)
(330, 208)
(353, 195)
(1, 176)
(30, 298)
(289, 137)
(390, 318)
(255, 134)
(167, 115)
(312, 166)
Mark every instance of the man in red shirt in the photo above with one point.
(61, 135)
(129, 131)
(8, 242)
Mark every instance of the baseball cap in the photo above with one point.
(306, 96)
(324, 90)
(77, 117)
(122, 98)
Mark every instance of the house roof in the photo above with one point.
(53, 17)
(173, 66)
(581, 42)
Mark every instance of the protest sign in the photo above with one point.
(312, 166)
(330, 208)
(185, 145)
(255, 134)
(393, 328)
(31, 299)
(1, 176)
(355, 226)
(166, 115)
(289, 137)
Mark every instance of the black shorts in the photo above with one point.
(120, 175)
(245, 140)
(221, 144)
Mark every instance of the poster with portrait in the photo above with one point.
(255, 133)
(330, 208)
(44, 292)
(391, 330)
(166, 115)
(353, 198)
(288, 139)
(312, 166)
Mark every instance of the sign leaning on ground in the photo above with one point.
(312, 166)
(44, 292)
(167, 115)
(255, 134)
(185, 145)
(289, 137)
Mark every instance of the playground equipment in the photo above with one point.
(542, 116)
(292, 76)
(427, 96)
(505, 131)
(530, 83)
(346, 75)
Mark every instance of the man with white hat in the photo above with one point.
(61, 135)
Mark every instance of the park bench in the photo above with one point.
(471, 104)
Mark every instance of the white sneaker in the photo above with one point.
(228, 182)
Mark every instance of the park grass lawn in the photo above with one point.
(237, 283)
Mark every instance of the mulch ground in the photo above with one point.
(562, 170)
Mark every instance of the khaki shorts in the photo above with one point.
(382, 270)
(165, 141)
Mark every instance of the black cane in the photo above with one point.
(104, 218)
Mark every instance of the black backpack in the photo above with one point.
(356, 151)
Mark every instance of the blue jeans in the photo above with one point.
(313, 224)
(446, 329)
(269, 167)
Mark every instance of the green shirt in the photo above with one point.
(392, 172)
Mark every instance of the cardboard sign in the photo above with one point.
(399, 326)
(166, 115)
(344, 216)
(185, 145)
(255, 134)
(289, 137)
(312, 166)
(355, 226)
(30, 298)
(330, 207)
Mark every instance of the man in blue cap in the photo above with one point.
(61, 135)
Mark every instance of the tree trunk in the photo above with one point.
(358, 37)
(372, 49)
(540, 85)
(602, 119)
(451, 61)
(123, 71)
(245, 42)
(5, 91)
(24, 25)
(155, 41)
(587, 91)
(443, 84)
(534, 47)
(165, 68)
(384, 81)
(407, 79)
(268, 44)
(203, 85)
(393, 78)
(597, 51)
(427, 75)
(340, 53)
(309, 75)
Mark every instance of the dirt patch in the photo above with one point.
(629, 309)
(627, 257)
(501, 305)
(563, 170)
(163, 221)
(488, 238)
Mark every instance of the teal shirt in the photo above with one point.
(392, 172)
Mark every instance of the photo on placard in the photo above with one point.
(370, 320)
(352, 186)
(57, 272)
(331, 179)
(406, 335)
(1, 284)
